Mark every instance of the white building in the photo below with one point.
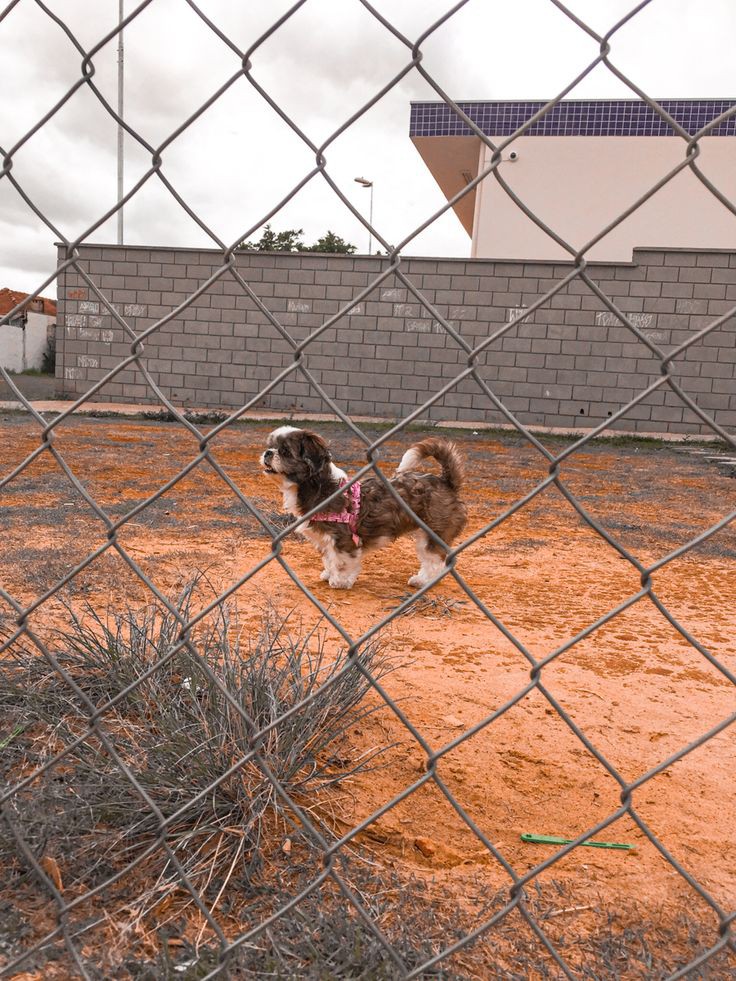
(583, 164)
(24, 340)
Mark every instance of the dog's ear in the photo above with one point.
(313, 450)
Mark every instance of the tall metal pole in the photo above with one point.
(364, 182)
(121, 131)
(370, 222)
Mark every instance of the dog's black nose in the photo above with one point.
(268, 454)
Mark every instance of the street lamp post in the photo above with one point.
(366, 183)
(121, 133)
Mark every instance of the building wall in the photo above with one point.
(579, 184)
(570, 363)
(23, 348)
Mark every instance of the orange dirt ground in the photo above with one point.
(638, 690)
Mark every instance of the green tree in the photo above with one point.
(270, 241)
(291, 241)
(331, 243)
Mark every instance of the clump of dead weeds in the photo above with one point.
(166, 762)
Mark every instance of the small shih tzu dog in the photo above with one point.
(366, 516)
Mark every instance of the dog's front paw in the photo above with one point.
(339, 582)
(417, 580)
(324, 575)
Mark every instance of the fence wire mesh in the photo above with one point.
(94, 733)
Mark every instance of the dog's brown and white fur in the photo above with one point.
(308, 476)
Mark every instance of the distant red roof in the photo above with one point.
(11, 298)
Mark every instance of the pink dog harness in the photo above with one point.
(347, 517)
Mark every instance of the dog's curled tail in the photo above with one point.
(441, 450)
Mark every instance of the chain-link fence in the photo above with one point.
(251, 715)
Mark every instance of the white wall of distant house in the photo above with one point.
(22, 347)
(578, 184)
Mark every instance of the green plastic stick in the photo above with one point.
(8, 739)
(554, 840)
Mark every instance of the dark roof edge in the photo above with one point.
(509, 102)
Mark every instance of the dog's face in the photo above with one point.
(295, 454)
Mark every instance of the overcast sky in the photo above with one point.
(239, 159)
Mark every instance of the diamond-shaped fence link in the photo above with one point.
(93, 733)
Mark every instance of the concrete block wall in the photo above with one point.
(571, 363)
